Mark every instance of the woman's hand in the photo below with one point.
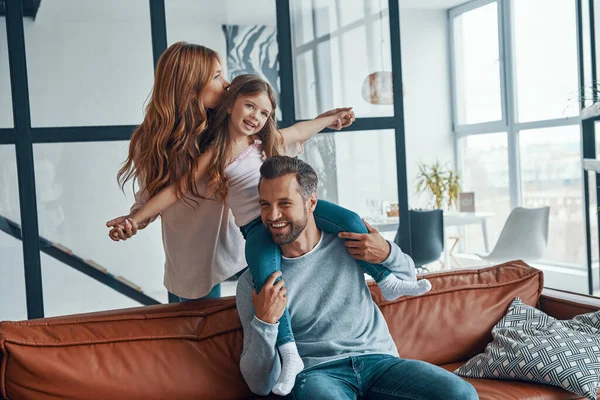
(124, 227)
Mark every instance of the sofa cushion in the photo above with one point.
(529, 345)
(453, 322)
(491, 389)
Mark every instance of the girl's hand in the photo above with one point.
(370, 247)
(345, 119)
(270, 303)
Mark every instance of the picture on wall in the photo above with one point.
(252, 49)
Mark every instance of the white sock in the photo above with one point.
(291, 365)
(393, 287)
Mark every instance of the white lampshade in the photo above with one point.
(378, 88)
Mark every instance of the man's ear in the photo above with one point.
(312, 202)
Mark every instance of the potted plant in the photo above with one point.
(440, 182)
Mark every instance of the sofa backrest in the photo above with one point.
(192, 350)
(453, 321)
(175, 351)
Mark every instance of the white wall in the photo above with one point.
(426, 79)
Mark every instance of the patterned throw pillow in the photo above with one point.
(529, 345)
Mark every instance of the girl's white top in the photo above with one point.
(244, 173)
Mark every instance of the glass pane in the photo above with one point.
(302, 29)
(68, 291)
(243, 33)
(545, 59)
(485, 172)
(73, 209)
(597, 134)
(551, 176)
(587, 53)
(593, 214)
(597, 41)
(89, 62)
(347, 65)
(6, 117)
(13, 303)
(9, 186)
(477, 65)
(368, 157)
(352, 12)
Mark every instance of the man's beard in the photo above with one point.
(293, 231)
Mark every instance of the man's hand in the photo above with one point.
(270, 303)
(123, 228)
(370, 247)
(340, 124)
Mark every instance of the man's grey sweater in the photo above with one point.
(332, 313)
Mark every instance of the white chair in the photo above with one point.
(524, 236)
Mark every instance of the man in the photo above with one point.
(341, 335)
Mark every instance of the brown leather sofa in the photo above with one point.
(192, 350)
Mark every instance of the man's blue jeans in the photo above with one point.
(380, 377)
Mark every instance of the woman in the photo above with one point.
(188, 84)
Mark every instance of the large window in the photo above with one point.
(508, 77)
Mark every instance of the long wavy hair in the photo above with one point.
(164, 149)
(218, 137)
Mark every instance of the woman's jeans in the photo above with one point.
(380, 377)
(264, 256)
(214, 293)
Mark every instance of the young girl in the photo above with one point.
(232, 151)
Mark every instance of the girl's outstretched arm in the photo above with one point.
(302, 131)
(168, 196)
